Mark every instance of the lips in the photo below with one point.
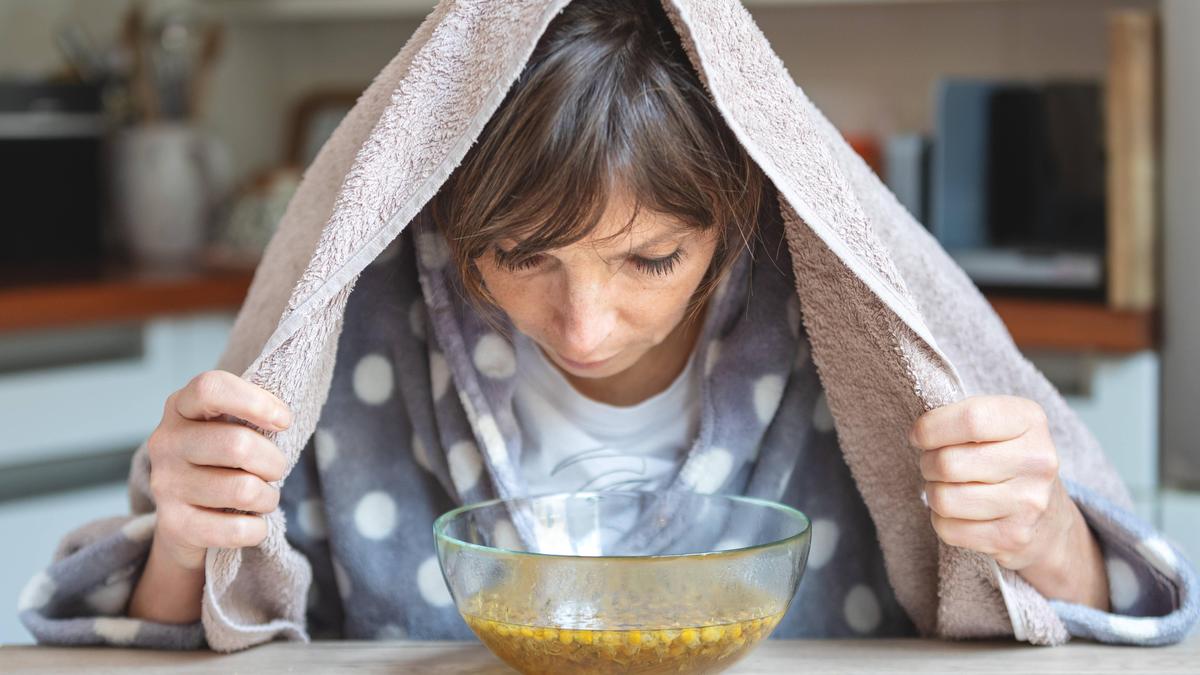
(578, 365)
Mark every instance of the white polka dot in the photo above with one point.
(862, 609)
(504, 535)
(416, 319)
(493, 440)
(141, 528)
(710, 470)
(373, 380)
(421, 453)
(310, 516)
(341, 579)
(825, 534)
(326, 447)
(494, 357)
(1160, 555)
(465, 465)
(388, 253)
(1123, 584)
(391, 631)
(1136, 628)
(767, 393)
(118, 631)
(110, 599)
(439, 375)
(710, 359)
(37, 592)
(375, 515)
(431, 584)
(432, 248)
(822, 419)
(793, 315)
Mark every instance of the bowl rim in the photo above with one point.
(440, 535)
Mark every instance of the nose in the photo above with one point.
(587, 319)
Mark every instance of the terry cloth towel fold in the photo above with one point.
(895, 327)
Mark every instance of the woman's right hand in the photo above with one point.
(210, 478)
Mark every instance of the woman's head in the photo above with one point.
(606, 198)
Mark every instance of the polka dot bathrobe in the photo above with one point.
(402, 395)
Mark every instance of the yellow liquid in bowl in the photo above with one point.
(689, 644)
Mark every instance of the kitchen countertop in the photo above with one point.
(773, 656)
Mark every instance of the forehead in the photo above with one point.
(623, 223)
(624, 220)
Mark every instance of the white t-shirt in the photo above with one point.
(571, 443)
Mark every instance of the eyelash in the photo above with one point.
(655, 266)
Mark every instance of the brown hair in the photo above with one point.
(608, 99)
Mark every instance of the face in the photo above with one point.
(598, 306)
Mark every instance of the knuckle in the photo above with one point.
(155, 445)
(1014, 535)
(1041, 501)
(170, 404)
(1036, 413)
(1049, 463)
(245, 492)
(208, 386)
(974, 419)
(239, 446)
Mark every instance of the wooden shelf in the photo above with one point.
(123, 295)
(139, 295)
(1076, 325)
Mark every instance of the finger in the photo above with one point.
(233, 446)
(976, 419)
(218, 488)
(215, 392)
(977, 535)
(207, 528)
(969, 501)
(974, 462)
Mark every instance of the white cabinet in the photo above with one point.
(75, 410)
(71, 410)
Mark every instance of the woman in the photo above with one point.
(606, 285)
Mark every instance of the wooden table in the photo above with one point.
(774, 656)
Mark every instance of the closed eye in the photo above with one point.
(661, 266)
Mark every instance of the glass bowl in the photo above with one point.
(616, 582)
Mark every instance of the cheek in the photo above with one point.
(516, 297)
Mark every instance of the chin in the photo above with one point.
(611, 366)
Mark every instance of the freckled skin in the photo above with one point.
(591, 301)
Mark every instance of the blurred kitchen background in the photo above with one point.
(148, 149)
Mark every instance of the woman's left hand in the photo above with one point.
(992, 485)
